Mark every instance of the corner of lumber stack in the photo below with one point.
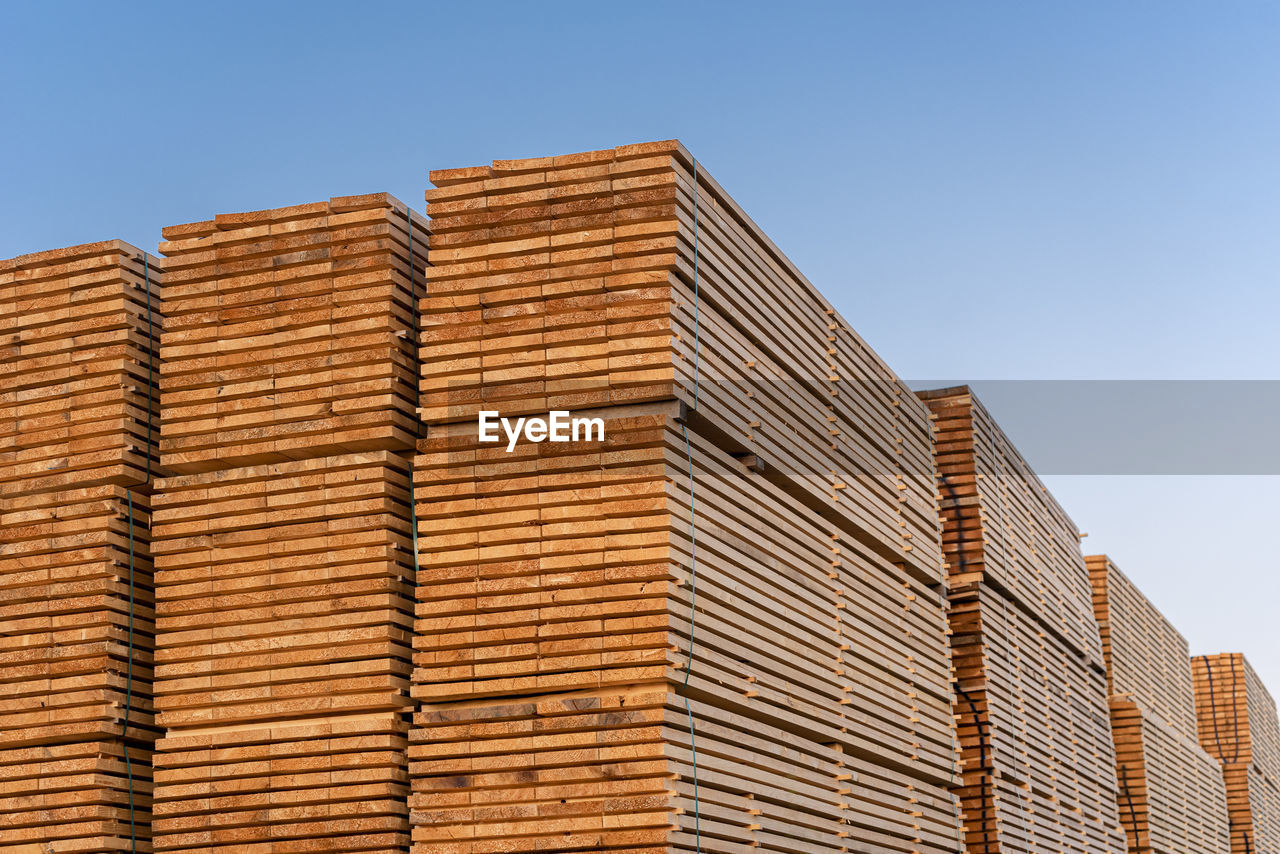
(79, 328)
(1238, 727)
(283, 547)
(577, 656)
(1172, 798)
(1038, 764)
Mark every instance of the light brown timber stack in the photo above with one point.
(79, 328)
(284, 564)
(1030, 690)
(1172, 797)
(555, 610)
(1238, 727)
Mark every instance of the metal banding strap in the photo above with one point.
(152, 354)
(128, 689)
(1133, 813)
(693, 525)
(983, 738)
(945, 604)
(417, 419)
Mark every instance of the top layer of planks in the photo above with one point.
(78, 328)
(290, 333)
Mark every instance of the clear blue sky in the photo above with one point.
(988, 190)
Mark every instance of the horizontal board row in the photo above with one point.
(618, 770)
(90, 795)
(325, 784)
(76, 602)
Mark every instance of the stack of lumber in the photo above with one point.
(1238, 727)
(1031, 696)
(284, 565)
(289, 334)
(1172, 797)
(79, 329)
(568, 282)
(718, 627)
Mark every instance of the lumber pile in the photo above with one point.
(79, 328)
(1172, 797)
(284, 565)
(720, 625)
(1238, 727)
(1030, 690)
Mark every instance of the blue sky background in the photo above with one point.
(988, 190)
